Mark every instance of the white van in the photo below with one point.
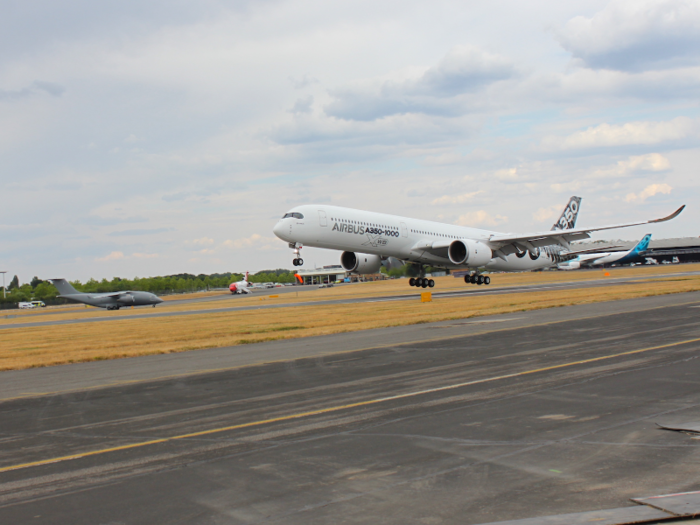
(26, 306)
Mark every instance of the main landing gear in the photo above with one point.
(421, 282)
(475, 278)
(298, 261)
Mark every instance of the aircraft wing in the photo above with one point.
(561, 237)
(592, 250)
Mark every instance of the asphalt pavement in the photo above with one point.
(514, 416)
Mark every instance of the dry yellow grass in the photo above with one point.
(371, 289)
(52, 345)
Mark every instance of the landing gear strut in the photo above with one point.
(297, 261)
(421, 282)
(476, 278)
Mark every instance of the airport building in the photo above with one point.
(660, 251)
(333, 274)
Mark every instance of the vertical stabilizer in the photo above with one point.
(567, 221)
(64, 287)
(642, 245)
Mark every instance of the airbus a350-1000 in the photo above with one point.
(369, 240)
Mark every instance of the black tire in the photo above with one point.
(480, 280)
(424, 283)
(487, 279)
(412, 281)
(301, 262)
(466, 279)
(472, 279)
(431, 283)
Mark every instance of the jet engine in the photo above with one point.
(570, 266)
(360, 262)
(467, 252)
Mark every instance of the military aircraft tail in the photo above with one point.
(64, 287)
(567, 221)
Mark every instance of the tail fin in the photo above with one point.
(64, 287)
(642, 245)
(246, 277)
(568, 217)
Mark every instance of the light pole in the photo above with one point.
(4, 291)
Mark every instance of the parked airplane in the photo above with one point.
(241, 286)
(369, 239)
(590, 258)
(109, 300)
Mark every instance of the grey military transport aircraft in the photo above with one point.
(109, 300)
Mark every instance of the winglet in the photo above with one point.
(672, 216)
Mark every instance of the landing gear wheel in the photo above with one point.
(431, 283)
(487, 279)
(472, 278)
(301, 262)
(412, 281)
(424, 283)
(480, 280)
(466, 279)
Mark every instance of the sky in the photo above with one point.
(149, 137)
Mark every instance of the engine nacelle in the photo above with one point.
(360, 262)
(467, 252)
(570, 266)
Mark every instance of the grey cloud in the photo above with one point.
(303, 105)
(139, 232)
(464, 71)
(636, 36)
(112, 221)
(303, 82)
(36, 87)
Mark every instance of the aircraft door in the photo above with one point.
(322, 218)
(404, 230)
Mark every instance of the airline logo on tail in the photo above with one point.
(567, 221)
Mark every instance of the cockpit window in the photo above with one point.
(295, 215)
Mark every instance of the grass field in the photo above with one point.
(54, 345)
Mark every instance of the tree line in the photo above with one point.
(41, 290)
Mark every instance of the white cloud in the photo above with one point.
(636, 34)
(651, 162)
(547, 214)
(204, 241)
(144, 255)
(464, 70)
(480, 218)
(632, 133)
(111, 257)
(254, 241)
(455, 199)
(649, 191)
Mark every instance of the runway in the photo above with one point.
(411, 295)
(545, 412)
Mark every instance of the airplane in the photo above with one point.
(587, 258)
(241, 286)
(108, 300)
(369, 240)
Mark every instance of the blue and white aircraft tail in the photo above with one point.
(587, 258)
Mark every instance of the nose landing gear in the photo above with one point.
(297, 261)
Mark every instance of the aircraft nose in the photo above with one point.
(158, 299)
(278, 229)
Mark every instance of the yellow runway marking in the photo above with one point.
(340, 407)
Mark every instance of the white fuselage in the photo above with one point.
(347, 229)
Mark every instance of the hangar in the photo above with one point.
(684, 249)
(332, 274)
